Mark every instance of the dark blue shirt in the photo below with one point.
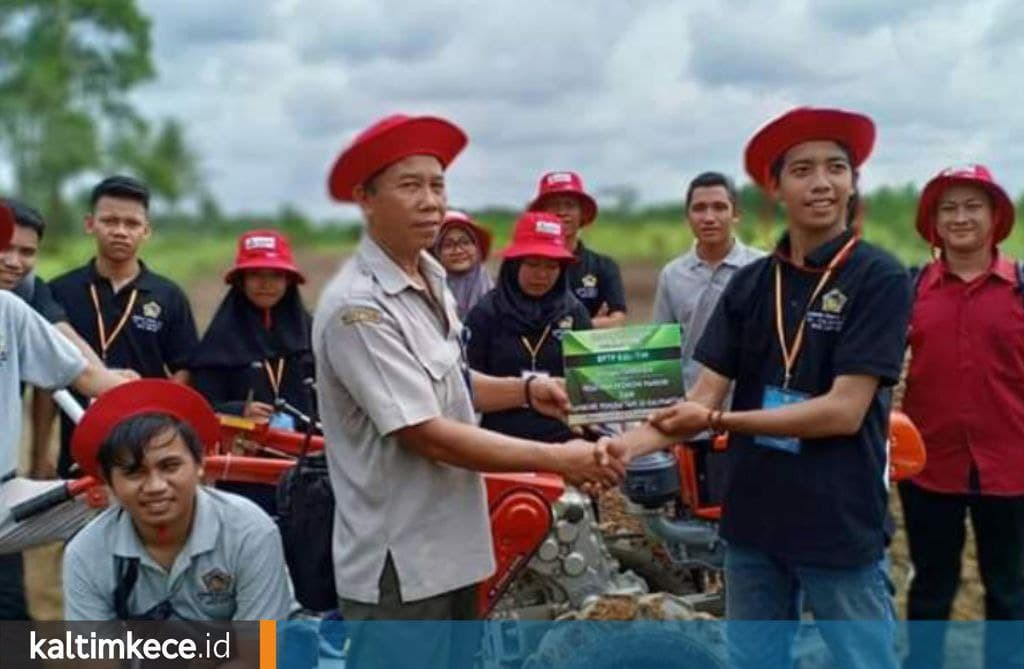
(827, 505)
(157, 338)
(595, 279)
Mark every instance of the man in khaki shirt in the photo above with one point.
(411, 532)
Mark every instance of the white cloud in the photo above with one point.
(647, 93)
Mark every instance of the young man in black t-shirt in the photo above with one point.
(813, 337)
(133, 317)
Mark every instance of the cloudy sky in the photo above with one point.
(645, 92)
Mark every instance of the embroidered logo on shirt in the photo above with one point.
(833, 301)
(355, 315)
(217, 580)
(151, 310)
(589, 281)
(566, 323)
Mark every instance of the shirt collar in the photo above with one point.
(391, 277)
(201, 539)
(144, 281)
(1001, 268)
(734, 258)
(820, 256)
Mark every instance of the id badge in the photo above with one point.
(775, 397)
(282, 421)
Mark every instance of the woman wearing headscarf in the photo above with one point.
(257, 348)
(462, 247)
(516, 329)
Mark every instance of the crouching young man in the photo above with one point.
(172, 549)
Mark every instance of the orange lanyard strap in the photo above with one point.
(101, 328)
(789, 354)
(275, 376)
(535, 350)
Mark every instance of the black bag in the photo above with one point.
(305, 516)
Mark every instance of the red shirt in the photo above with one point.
(965, 391)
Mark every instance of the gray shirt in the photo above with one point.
(688, 290)
(34, 352)
(386, 359)
(230, 568)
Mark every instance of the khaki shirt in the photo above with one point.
(387, 359)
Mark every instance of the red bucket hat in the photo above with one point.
(565, 183)
(538, 233)
(264, 249)
(1003, 214)
(6, 226)
(804, 124)
(136, 398)
(458, 219)
(389, 140)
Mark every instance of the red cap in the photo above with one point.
(458, 219)
(264, 249)
(136, 398)
(6, 226)
(538, 233)
(974, 175)
(805, 124)
(389, 140)
(565, 183)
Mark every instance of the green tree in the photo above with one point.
(163, 160)
(66, 67)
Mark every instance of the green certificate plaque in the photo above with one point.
(622, 374)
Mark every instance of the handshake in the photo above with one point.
(598, 466)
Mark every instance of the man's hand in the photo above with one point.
(593, 466)
(548, 396)
(128, 374)
(681, 420)
(258, 411)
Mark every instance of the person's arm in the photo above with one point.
(96, 380)
(662, 303)
(612, 313)
(495, 393)
(471, 447)
(44, 411)
(367, 353)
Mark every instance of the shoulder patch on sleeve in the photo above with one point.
(353, 315)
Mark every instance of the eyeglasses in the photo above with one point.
(457, 244)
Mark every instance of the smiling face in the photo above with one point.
(404, 204)
(815, 185)
(120, 226)
(457, 251)
(160, 490)
(19, 258)
(712, 215)
(964, 218)
(538, 275)
(264, 287)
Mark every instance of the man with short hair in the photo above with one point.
(171, 549)
(594, 278)
(813, 338)
(397, 402)
(133, 317)
(964, 395)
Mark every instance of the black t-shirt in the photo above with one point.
(158, 335)
(595, 279)
(493, 348)
(827, 505)
(37, 294)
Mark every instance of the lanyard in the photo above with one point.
(535, 350)
(105, 341)
(789, 354)
(275, 376)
